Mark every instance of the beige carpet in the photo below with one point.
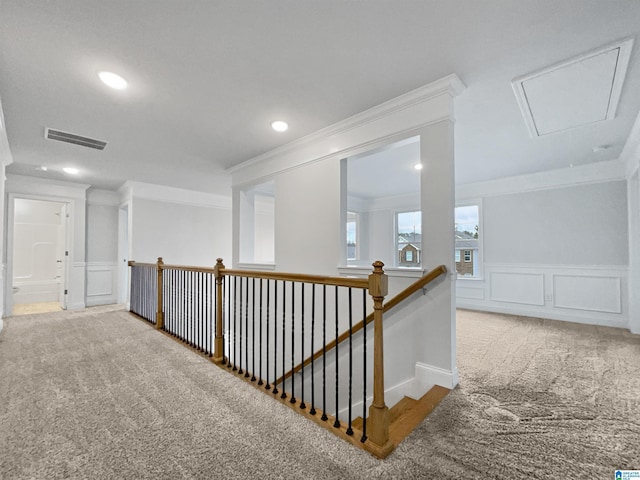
(98, 394)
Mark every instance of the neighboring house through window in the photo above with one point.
(409, 238)
(467, 240)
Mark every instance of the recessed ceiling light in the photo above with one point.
(43, 168)
(279, 126)
(112, 80)
(71, 171)
(418, 166)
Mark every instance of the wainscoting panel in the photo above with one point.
(583, 294)
(592, 293)
(473, 293)
(524, 288)
(102, 283)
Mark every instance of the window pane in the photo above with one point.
(352, 232)
(409, 238)
(467, 232)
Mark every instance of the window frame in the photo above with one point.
(396, 243)
(355, 219)
(478, 257)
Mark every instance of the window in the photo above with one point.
(467, 238)
(409, 238)
(352, 236)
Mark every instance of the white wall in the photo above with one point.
(558, 252)
(183, 234)
(307, 226)
(580, 225)
(309, 222)
(102, 247)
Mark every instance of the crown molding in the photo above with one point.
(600, 172)
(451, 85)
(162, 193)
(5, 152)
(42, 186)
(106, 198)
(630, 155)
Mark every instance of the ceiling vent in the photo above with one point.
(67, 137)
(580, 91)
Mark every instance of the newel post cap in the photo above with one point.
(160, 262)
(219, 265)
(378, 281)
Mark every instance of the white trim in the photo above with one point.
(426, 377)
(624, 46)
(303, 159)
(429, 375)
(556, 304)
(600, 172)
(630, 155)
(24, 185)
(6, 157)
(255, 266)
(476, 295)
(450, 84)
(161, 193)
(551, 315)
(548, 266)
(400, 272)
(105, 198)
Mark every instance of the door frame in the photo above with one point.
(11, 201)
(124, 252)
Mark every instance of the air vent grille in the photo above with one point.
(52, 134)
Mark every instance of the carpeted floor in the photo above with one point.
(98, 394)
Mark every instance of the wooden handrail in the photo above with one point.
(289, 277)
(131, 263)
(404, 294)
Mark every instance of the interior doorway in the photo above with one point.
(39, 252)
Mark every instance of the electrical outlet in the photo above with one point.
(548, 297)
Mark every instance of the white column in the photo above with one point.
(437, 191)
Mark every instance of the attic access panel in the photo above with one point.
(580, 91)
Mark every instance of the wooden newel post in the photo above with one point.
(159, 312)
(378, 412)
(218, 353)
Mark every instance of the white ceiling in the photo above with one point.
(207, 78)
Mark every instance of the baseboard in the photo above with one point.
(547, 313)
(76, 306)
(427, 376)
(392, 396)
(95, 301)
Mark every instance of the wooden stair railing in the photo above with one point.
(388, 305)
(192, 304)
